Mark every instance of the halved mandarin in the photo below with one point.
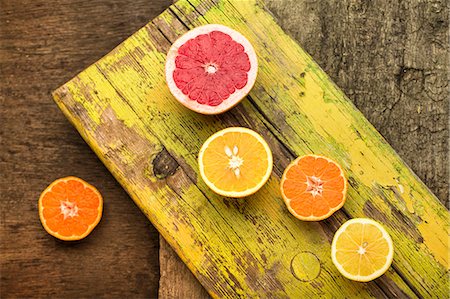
(70, 208)
(313, 187)
(235, 162)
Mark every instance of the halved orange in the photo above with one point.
(313, 187)
(70, 208)
(362, 249)
(235, 162)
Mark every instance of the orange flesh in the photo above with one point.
(313, 187)
(250, 152)
(70, 208)
(362, 249)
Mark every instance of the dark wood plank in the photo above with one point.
(176, 280)
(42, 45)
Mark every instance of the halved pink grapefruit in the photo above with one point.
(211, 68)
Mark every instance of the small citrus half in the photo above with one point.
(70, 208)
(362, 249)
(235, 162)
(313, 187)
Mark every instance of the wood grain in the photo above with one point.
(42, 45)
(123, 110)
(176, 280)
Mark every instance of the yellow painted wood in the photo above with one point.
(254, 247)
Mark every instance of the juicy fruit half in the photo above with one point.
(235, 162)
(211, 68)
(70, 208)
(362, 249)
(313, 187)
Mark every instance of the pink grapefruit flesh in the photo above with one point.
(211, 68)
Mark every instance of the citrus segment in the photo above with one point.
(313, 187)
(362, 250)
(235, 162)
(211, 68)
(70, 208)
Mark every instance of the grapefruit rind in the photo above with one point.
(235, 194)
(288, 200)
(90, 227)
(377, 273)
(234, 98)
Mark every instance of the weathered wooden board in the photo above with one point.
(254, 247)
(176, 281)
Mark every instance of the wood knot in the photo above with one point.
(305, 266)
(164, 165)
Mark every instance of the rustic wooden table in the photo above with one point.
(390, 59)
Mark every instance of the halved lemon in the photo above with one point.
(235, 162)
(362, 249)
